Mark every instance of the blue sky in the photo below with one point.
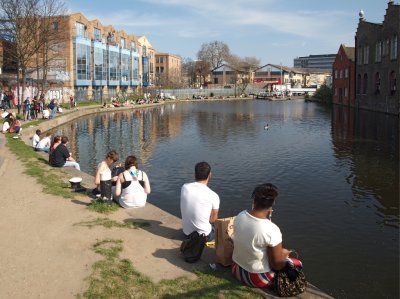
(271, 30)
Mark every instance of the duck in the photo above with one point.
(266, 127)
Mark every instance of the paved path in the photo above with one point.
(43, 255)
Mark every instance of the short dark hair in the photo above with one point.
(38, 132)
(264, 196)
(131, 161)
(113, 155)
(64, 139)
(202, 171)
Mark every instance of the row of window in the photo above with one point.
(362, 84)
(339, 74)
(80, 30)
(388, 47)
(107, 65)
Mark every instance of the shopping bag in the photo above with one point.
(223, 240)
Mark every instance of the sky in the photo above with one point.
(273, 31)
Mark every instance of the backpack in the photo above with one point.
(192, 247)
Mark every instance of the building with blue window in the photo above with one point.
(100, 62)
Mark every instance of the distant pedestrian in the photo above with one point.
(27, 109)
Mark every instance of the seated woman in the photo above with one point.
(54, 143)
(15, 127)
(104, 166)
(257, 242)
(132, 185)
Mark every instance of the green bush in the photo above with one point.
(324, 94)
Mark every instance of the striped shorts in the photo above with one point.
(259, 280)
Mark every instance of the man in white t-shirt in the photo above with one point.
(36, 139)
(199, 204)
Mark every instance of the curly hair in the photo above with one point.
(264, 196)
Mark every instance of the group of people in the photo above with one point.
(32, 108)
(130, 185)
(258, 252)
(59, 154)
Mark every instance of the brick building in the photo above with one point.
(343, 84)
(377, 62)
(168, 69)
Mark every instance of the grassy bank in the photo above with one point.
(54, 181)
(113, 277)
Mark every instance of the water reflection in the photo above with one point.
(369, 143)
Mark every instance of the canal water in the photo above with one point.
(337, 171)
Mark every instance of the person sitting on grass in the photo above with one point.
(44, 144)
(61, 157)
(36, 138)
(15, 127)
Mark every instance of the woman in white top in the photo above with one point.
(104, 166)
(132, 185)
(257, 242)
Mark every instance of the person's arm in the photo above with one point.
(277, 256)
(214, 215)
(97, 176)
(118, 187)
(147, 188)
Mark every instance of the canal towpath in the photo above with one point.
(46, 255)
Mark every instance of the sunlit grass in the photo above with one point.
(113, 277)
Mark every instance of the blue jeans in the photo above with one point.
(73, 164)
(211, 236)
(45, 149)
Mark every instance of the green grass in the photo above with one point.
(52, 179)
(113, 277)
(103, 207)
(108, 223)
(33, 123)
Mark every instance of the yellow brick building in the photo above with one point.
(168, 69)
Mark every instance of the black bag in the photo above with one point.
(193, 246)
(290, 281)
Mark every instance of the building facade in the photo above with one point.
(94, 61)
(272, 74)
(147, 54)
(377, 62)
(323, 61)
(343, 85)
(168, 69)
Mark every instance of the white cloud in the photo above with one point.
(261, 13)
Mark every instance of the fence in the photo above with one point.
(208, 92)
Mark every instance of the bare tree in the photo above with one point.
(202, 70)
(189, 71)
(214, 53)
(22, 21)
(51, 41)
